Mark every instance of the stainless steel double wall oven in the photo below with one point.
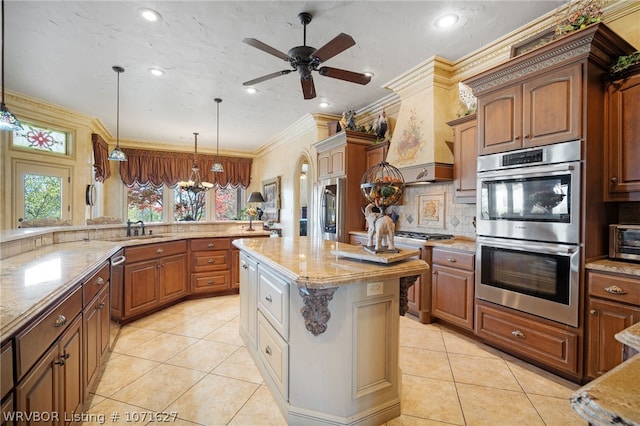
(528, 244)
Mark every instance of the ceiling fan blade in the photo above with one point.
(266, 77)
(308, 88)
(353, 77)
(266, 48)
(339, 44)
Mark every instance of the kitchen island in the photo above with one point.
(322, 326)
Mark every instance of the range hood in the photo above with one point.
(419, 147)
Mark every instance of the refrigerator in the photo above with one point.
(330, 201)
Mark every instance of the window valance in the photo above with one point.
(169, 168)
(100, 154)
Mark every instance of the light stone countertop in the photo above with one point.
(617, 266)
(31, 281)
(455, 243)
(309, 262)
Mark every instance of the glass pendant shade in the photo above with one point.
(217, 166)
(8, 121)
(117, 154)
(195, 183)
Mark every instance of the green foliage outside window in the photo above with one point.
(144, 202)
(42, 197)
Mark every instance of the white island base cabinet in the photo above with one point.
(343, 371)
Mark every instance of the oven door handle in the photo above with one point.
(526, 171)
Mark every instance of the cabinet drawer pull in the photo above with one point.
(101, 306)
(211, 245)
(65, 356)
(210, 261)
(61, 362)
(526, 136)
(614, 289)
(60, 321)
(268, 298)
(245, 266)
(267, 350)
(451, 259)
(159, 251)
(517, 333)
(211, 281)
(100, 281)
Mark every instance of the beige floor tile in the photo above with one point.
(421, 362)
(162, 347)
(121, 371)
(422, 338)
(430, 399)
(223, 311)
(176, 422)
(259, 409)
(159, 387)
(412, 322)
(214, 400)
(460, 344)
(159, 321)
(484, 406)
(131, 337)
(113, 412)
(239, 366)
(556, 411)
(196, 326)
(203, 355)
(405, 420)
(535, 380)
(228, 333)
(489, 372)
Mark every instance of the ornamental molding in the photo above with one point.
(316, 312)
(405, 284)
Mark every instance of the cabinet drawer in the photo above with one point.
(455, 259)
(93, 285)
(33, 342)
(210, 261)
(6, 364)
(273, 300)
(154, 251)
(553, 346)
(613, 287)
(210, 244)
(273, 351)
(206, 282)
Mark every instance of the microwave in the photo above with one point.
(624, 242)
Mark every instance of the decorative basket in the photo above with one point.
(382, 185)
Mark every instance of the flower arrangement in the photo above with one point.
(580, 15)
(252, 212)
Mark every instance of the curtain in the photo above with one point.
(100, 158)
(169, 168)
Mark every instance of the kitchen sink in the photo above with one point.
(136, 238)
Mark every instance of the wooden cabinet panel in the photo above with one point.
(39, 391)
(214, 260)
(96, 336)
(172, 277)
(465, 158)
(8, 408)
(71, 383)
(454, 259)
(605, 319)
(154, 251)
(500, 120)
(553, 346)
(624, 289)
(622, 132)
(6, 367)
(95, 283)
(453, 287)
(210, 244)
(141, 288)
(210, 282)
(376, 154)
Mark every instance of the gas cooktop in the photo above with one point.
(422, 235)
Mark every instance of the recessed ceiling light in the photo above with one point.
(446, 21)
(324, 104)
(156, 71)
(252, 90)
(149, 14)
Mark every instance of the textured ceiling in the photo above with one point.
(62, 52)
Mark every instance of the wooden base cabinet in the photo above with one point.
(613, 305)
(452, 287)
(96, 335)
(210, 265)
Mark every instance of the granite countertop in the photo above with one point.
(310, 262)
(614, 397)
(31, 281)
(455, 243)
(618, 266)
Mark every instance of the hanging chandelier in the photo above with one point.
(195, 184)
(217, 166)
(8, 121)
(117, 154)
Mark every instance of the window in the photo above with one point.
(42, 192)
(145, 202)
(41, 139)
(189, 206)
(229, 203)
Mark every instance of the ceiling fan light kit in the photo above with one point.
(306, 59)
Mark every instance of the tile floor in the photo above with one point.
(189, 359)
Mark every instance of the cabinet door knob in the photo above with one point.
(211, 245)
(267, 350)
(101, 306)
(65, 356)
(60, 321)
(268, 298)
(614, 289)
(159, 251)
(593, 312)
(614, 180)
(517, 138)
(517, 333)
(100, 281)
(526, 136)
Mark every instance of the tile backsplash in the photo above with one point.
(439, 213)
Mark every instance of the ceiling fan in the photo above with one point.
(306, 59)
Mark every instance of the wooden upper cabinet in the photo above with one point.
(332, 163)
(465, 158)
(376, 153)
(622, 134)
(540, 111)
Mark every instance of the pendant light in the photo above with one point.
(195, 184)
(217, 166)
(8, 121)
(117, 154)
